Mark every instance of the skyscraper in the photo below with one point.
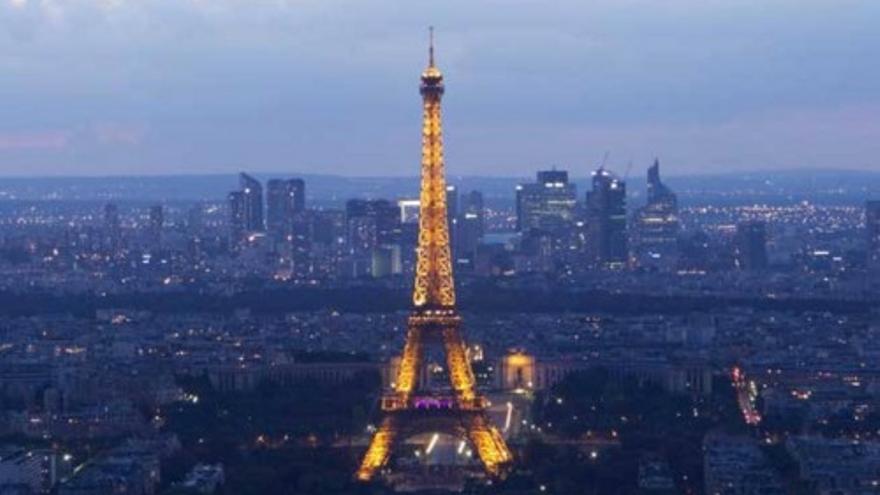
(470, 226)
(409, 210)
(656, 225)
(872, 224)
(329, 228)
(546, 204)
(451, 202)
(750, 250)
(245, 208)
(371, 223)
(285, 198)
(252, 196)
(237, 229)
(452, 214)
(327, 241)
(606, 220)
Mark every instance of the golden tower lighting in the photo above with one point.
(408, 409)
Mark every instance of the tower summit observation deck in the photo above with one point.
(411, 408)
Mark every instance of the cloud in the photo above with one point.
(45, 140)
(309, 84)
(115, 133)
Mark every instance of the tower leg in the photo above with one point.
(460, 373)
(379, 450)
(489, 443)
(410, 363)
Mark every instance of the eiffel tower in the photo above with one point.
(409, 408)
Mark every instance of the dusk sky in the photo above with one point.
(113, 87)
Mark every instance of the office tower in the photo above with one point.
(361, 234)
(409, 211)
(657, 190)
(237, 229)
(470, 226)
(452, 214)
(328, 241)
(750, 250)
(252, 197)
(656, 225)
(156, 222)
(285, 198)
(409, 229)
(547, 204)
(413, 407)
(386, 261)
(328, 227)
(371, 223)
(451, 203)
(872, 224)
(606, 220)
(245, 208)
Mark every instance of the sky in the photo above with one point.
(134, 87)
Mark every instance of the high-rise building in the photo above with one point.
(656, 225)
(547, 204)
(386, 261)
(328, 241)
(451, 202)
(872, 224)
(237, 228)
(328, 227)
(409, 211)
(606, 220)
(409, 233)
(750, 250)
(371, 223)
(469, 226)
(452, 213)
(252, 195)
(285, 198)
(245, 208)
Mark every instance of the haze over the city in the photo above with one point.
(122, 87)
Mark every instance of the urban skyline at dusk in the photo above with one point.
(101, 87)
(225, 275)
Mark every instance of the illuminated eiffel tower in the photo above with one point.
(410, 408)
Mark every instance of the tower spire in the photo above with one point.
(430, 46)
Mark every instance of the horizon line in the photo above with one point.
(415, 176)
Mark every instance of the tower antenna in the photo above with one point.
(431, 46)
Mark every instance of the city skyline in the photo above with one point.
(224, 269)
(152, 89)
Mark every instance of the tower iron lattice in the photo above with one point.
(408, 408)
